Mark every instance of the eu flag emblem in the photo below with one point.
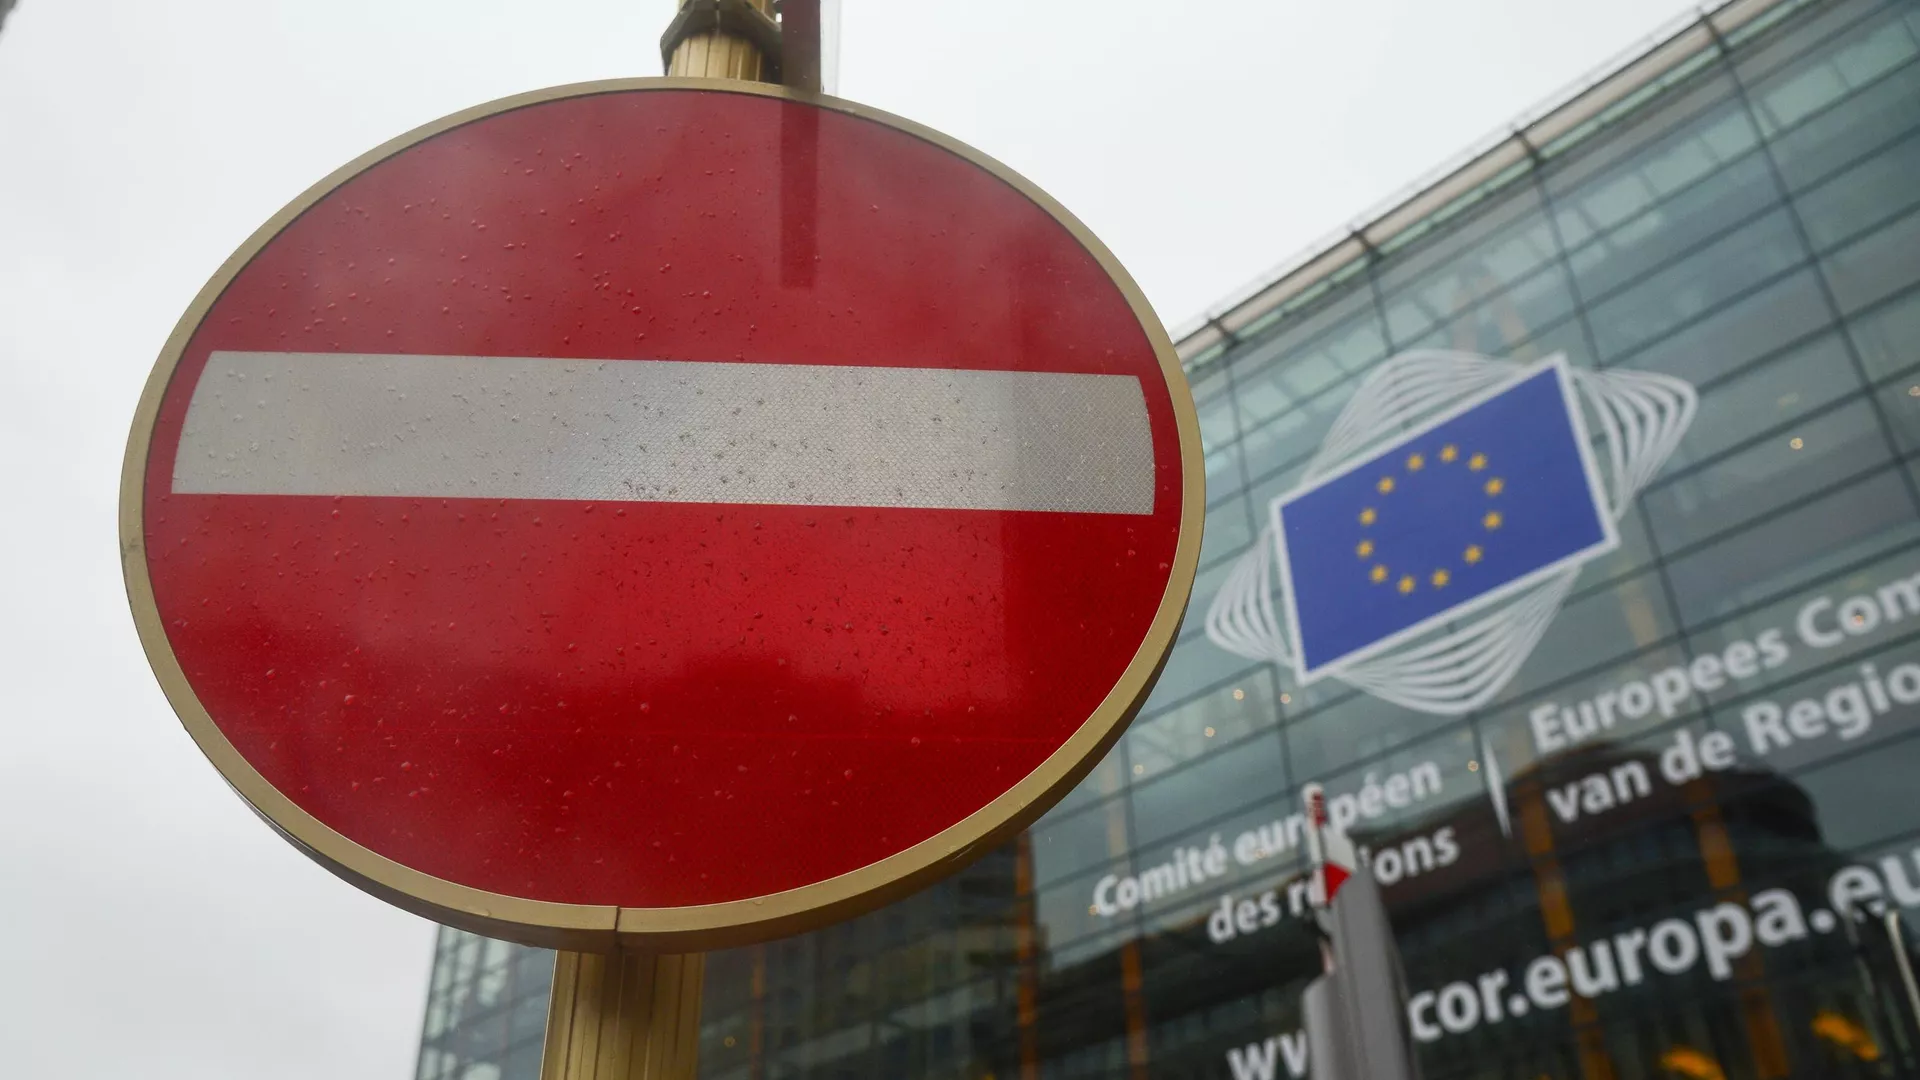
(1481, 501)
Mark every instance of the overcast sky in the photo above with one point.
(154, 927)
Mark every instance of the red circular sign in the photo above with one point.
(653, 509)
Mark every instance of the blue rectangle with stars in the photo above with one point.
(1484, 500)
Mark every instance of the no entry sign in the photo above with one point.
(649, 510)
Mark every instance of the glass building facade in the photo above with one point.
(1657, 851)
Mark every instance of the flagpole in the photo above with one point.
(1355, 1012)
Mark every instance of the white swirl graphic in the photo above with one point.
(1638, 419)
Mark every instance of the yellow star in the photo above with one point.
(1385, 485)
(1440, 579)
(1378, 575)
(1496, 485)
(1365, 549)
(1368, 517)
(1473, 554)
(1492, 520)
(1477, 462)
(1416, 462)
(1406, 583)
(1449, 452)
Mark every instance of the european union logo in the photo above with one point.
(1483, 500)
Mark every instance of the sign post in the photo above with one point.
(649, 516)
(635, 1015)
(627, 1015)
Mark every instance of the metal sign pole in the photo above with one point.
(631, 1015)
(625, 1016)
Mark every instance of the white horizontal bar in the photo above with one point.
(665, 431)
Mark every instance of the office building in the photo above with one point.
(1634, 807)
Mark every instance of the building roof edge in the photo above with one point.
(1667, 48)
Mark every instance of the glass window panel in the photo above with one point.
(1326, 346)
(1790, 99)
(1568, 337)
(1077, 842)
(529, 1015)
(1481, 260)
(1510, 726)
(1877, 265)
(1500, 324)
(1211, 723)
(1667, 231)
(1620, 175)
(1211, 380)
(1810, 34)
(1306, 374)
(1782, 614)
(1618, 864)
(1901, 893)
(1849, 723)
(1239, 877)
(1201, 1007)
(1766, 395)
(1225, 472)
(1448, 753)
(1295, 436)
(1218, 431)
(1793, 547)
(1866, 797)
(522, 1063)
(1663, 301)
(1757, 481)
(1262, 399)
(492, 983)
(1329, 316)
(1599, 628)
(1888, 337)
(1350, 728)
(1878, 188)
(1064, 911)
(1506, 239)
(1178, 803)
(1830, 72)
(1217, 424)
(1262, 495)
(1900, 404)
(1841, 135)
(1634, 552)
(1228, 531)
(535, 974)
(1742, 331)
(1194, 667)
(1298, 700)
